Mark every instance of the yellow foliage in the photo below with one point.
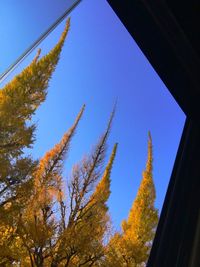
(132, 246)
(41, 227)
(19, 100)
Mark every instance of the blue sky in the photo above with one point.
(22, 22)
(99, 63)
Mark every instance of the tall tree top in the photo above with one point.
(143, 216)
(139, 228)
(149, 166)
(102, 191)
(49, 170)
(20, 98)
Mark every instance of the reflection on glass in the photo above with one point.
(24, 22)
(100, 206)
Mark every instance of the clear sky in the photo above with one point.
(99, 63)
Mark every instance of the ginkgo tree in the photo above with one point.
(131, 247)
(45, 223)
(38, 228)
(57, 232)
(19, 99)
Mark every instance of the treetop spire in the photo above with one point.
(149, 154)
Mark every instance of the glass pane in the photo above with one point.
(100, 64)
(23, 22)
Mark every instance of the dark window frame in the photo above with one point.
(165, 31)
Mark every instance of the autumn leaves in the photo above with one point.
(43, 223)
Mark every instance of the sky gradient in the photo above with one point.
(100, 63)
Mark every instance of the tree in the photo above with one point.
(41, 222)
(132, 246)
(51, 237)
(39, 225)
(19, 100)
(93, 220)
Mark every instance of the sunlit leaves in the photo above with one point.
(43, 222)
(132, 246)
